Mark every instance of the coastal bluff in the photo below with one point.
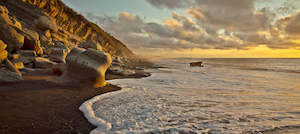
(72, 28)
(37, 36)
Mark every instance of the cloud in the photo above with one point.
(171, 4)
(206, 24)
(292, 24)
(235, 15)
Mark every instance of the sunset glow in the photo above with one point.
(202, 28)
(256, 52)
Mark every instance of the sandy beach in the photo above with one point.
(149, 67)
(37, 106)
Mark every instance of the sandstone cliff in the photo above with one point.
(72, 27)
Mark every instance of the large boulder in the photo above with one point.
(196, 64)
(3, 52)
(45, 23)
(87, 66)
(11, 37)
(10, 66)
(9, 28)
(90, 44)
(9, 73)
(58, 52)
(32, 41)
(26, 56)
(8, 76)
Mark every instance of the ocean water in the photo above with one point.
(226, 96)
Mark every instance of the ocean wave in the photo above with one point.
(245, 67)
(289, 129)
(176, 100)
(87, 108)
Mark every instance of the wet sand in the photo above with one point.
(36, 106)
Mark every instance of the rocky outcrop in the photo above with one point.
(45, 23)
(13, 39)
(3, 52)
(26, 56)
(9, 73)
(37, 36)
(90, 44)
(86, 66)
(58, 52)
(8, 76)
(10, 20)
(10, 66)
(40, 62)
(32, 42)
(9, 26)
(72, 27)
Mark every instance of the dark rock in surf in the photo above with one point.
(196, 64)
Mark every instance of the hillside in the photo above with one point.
(73, 27)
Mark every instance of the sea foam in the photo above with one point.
(213, 99)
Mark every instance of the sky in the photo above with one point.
(200, 28)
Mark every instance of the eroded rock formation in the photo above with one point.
(86, 67)
(72, 27)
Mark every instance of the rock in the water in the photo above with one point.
(90, 44)
(122, 72)
(196, 64)
(32, 42)
(118, 59)
(87, 66)
(40, 62)
(45, 23)
(127, 72)
(3, 52)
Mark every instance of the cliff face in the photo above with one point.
(73, 27)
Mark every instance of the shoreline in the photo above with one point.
(39, 106)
